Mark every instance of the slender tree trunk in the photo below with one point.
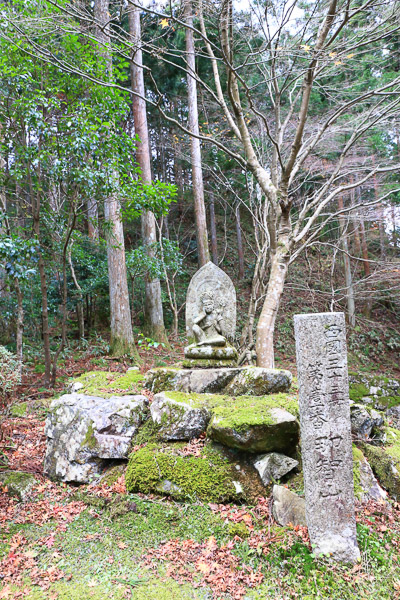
(381, 215)
(153, 302)
(239, 242)
(213, 230)
(366, 262)
(280, 255)
(121, 326)
(195, 150)
(93, 219)
(351, 309)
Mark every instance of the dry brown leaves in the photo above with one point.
(24, 444)
(206, 564)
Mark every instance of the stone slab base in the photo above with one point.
(222, 379)
(206, 363)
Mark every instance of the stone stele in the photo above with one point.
(326, 434)
(210, 279)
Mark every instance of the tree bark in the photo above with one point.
(195, 150)
(121, 327)
(351, 309)
(93, 219)
(153, 303)
(280, 256)
(239, 242)
(213, 230)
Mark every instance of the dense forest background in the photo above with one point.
(138, 142)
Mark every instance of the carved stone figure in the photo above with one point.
(210, 319)
(207, 327)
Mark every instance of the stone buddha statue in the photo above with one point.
(207, 323)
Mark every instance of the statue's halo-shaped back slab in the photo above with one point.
(213, 281)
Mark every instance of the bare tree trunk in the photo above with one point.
(351, 309)
(121, 326)
(280, 256)
(366, 263)
(239, 242)
(195, 150)
(153, 303)
(213, 230)
(381, 216)
(93, 219)
(79, 304)
(266, 322)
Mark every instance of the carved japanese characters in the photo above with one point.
(326, 434)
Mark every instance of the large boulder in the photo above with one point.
(254, 427)
(288, 507)
(233, 381)
(178, 420)
(85, 432)
(213, 474)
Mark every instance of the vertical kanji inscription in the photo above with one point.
(326, 434)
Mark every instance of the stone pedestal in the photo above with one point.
(326, 434)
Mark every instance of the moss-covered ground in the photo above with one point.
(95, 556)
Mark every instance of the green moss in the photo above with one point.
(18, 484)
(238, 529)
(393, 442)
(107, 383)
(241, 405)
(357, 391)
(148, 432)
(385, 465)
(19, 410)
(358, 458)
(112, 475)
(89, 441)
(208, 363)
(206, 477)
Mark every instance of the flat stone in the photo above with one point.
(229, 380)
(326, 434)
(257, 381)
(274, 466)
(85, 432)
(211, 352)
(178, 420)
(393, 415)
(18, 484)
(272, 429)
(288, 507)
(211, 279)
(207, 363)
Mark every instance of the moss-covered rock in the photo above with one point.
(385, 461)
(254, 426)
(19, 410)
(217, 475)
(163, 470)
(17, 483)
(178, 420)
(252, 423)
(257, 381)
(84, 433)
(366, 486)
(219, 379)
(107, 383)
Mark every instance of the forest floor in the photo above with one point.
(68, 543)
